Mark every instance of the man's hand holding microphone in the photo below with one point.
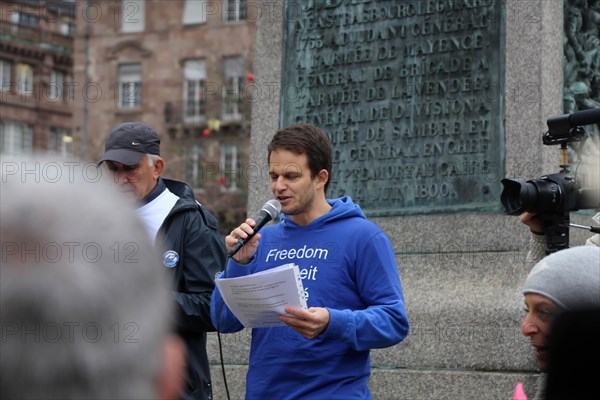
(242, 242)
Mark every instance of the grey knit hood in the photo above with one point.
(570, 277)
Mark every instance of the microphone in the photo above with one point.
(585, 117)
(269, 211)
(560, 125)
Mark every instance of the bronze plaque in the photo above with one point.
(410, 94)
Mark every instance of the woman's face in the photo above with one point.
(537, 323)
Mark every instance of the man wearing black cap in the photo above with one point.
(194, 249)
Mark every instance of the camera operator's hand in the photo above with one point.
(533, 222)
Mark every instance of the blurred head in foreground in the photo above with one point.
(85, 309)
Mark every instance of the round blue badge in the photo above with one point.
(170, 258)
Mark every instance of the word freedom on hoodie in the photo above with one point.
(302, 252)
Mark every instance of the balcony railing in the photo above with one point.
(37, 37)
(183, 113)
(195, 114)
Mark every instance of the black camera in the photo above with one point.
(552, 197)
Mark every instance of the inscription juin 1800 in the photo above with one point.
(410, 94)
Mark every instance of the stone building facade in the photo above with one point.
(36, 66)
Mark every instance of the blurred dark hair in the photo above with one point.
(573, 357)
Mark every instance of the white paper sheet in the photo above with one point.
(258, 299)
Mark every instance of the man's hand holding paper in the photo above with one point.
(309, 323)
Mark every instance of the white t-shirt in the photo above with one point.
(154, 213)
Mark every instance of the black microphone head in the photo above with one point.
(269, 211)
(272, 208)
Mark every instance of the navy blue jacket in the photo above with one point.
(192, 233)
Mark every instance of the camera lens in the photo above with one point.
(511, 197)
(541, 195)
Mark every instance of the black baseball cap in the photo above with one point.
(128, 142)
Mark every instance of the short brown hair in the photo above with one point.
(305, 139)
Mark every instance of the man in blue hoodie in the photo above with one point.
(349, 274)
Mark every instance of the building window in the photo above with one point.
(229, 167)
(16, 138)
(24, 78)
(235, 10)
(5, 74)
(26, 19)
(193, 91)
(193, 166)
(194, 12)
(232, 88)
(60, 142)
(68, 29)
(133, 15)
(56, 85)
(130, 85)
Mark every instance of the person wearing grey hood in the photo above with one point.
(562, 281)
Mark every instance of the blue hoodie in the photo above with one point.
(348, 266)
